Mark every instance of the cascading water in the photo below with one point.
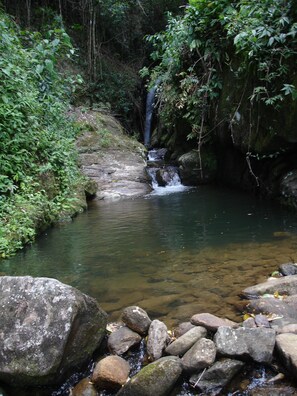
(150, 101)
(164, 178)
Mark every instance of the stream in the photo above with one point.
(173, 254)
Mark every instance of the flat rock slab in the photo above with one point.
(182, 344)
(201, 355)
(122, 339)
(286, 285)
(136, 319)
(46, 328)
(155, 379)
(245, 343)
(157, 339)
(211, 322)
(286, 346)
(217, 376)
(284, 311)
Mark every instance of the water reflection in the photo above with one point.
(174, 255)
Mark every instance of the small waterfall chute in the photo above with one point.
(164, 178)
(150, 102)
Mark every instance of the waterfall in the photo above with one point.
(150, 101)
(164, 177)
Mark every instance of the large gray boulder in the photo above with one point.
(217, 376)
(46, 329)
(156, 379)
(246, 343)
(286, 346)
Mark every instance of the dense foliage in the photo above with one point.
(37, 158)
(246, 37)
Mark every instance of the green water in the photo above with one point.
(174, 255)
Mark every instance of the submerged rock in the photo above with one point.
(46, 329)
(246, 343)
(157, 378)
(157, 339)
(211, 322)
(201, 355)
(186, 341)
(136, 319)
(217, 376)
(286, 285)
(121, 340)
(111, 373)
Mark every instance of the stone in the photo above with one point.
(211, 322)
(288, 269)
(157, 340)
(286, 347)
(249, 323)
(217, 376)
(136, 319)
(261, 321)
(121, 340)
(201, 355)
(290, 328)
(111, 372)
(182, 328)
(286, 285)
(84, 388)
(282, 311)
(165, 176)
(157, 378)
(47, 329)
(182, 344)
(245, 343)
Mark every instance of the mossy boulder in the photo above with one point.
(196, 169)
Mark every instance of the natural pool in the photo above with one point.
(174, 255)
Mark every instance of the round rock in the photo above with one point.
(111, 372)
(136, 319)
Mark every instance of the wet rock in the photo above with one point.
(261, 321)
(288, 269)
(182, 328)
(211, 322)
(84, 388)
(111, 373)
(286, 285)
(217, 376)
(249, 323)
(136, 319)
(286, 346)
(157, 339)
(157, 378)
(182, 344)
(190, 172)
(121, 340)
(290, 328)
(273, 391)
(244, 343)
(165, 176)
(47, 328)
(283, 310)
(201, 355)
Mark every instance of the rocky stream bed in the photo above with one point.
(49, 331)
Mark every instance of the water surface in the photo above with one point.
(174, 255)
